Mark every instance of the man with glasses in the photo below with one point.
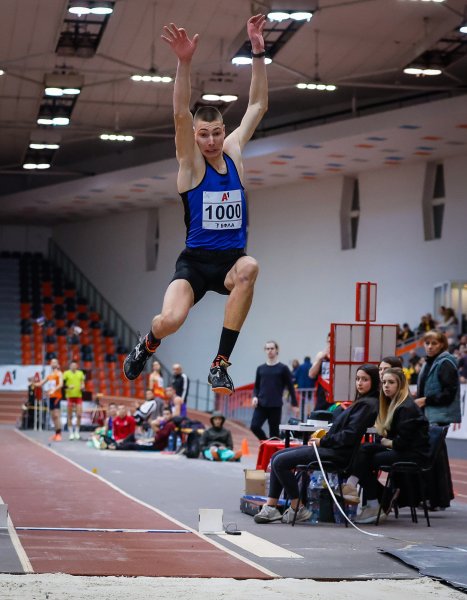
(272, 378)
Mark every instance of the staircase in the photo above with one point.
(10, 407)
(10, 345)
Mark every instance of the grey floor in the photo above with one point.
(179, 487)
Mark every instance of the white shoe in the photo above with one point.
(369, 515)
(71, 436)
(268, 514)
(77, 435)
(303, 514)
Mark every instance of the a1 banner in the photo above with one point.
(15, 378)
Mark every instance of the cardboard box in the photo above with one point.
(255, 482)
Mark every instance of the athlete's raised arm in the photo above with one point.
(184, 48)
(258, 96)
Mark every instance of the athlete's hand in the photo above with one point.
(255, 28)
(254, 401)
(179, 41)
(420, 402)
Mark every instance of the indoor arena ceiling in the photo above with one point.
(360, 46)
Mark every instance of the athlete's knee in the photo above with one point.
(169, 321)
(247, 272)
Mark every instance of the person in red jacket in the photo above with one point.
(123, 426)
(163, 427)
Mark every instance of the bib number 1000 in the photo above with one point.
(222, 210)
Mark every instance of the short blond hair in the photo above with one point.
(439, 336)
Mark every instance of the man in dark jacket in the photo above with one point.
(216, 443)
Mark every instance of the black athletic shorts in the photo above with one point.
(205, 270)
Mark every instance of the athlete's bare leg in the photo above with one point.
(178, 300)
(240, 280)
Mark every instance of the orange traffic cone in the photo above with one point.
(245, 449)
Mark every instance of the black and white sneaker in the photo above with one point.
(220, 380)
(135, 362)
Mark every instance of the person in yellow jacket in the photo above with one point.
(73, 380)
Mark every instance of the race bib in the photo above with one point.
(222, 210)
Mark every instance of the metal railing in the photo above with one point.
(239, 406)
(123, 332)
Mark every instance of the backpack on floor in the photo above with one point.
(193, 445)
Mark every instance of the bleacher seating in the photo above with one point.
(51, 313)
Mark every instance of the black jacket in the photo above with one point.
(216, 436)
(409, 429)
(350, 426)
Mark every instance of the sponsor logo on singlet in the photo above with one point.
(222, 210)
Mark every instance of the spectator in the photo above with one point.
(406, 333)
(438, 394)
(337, 445)
(404, 431)
(462, 363)
(73, 380)
(54, 391)
(272, 378)
(180, 382)
(162, 428)
(294, 369)
(156, 381)
(175, 402)
(387, 362)
(123, 427)
(150, 409)
(303, 378)
(320, 371)
(216, 443)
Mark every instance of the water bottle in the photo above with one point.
(313, 491)
(351, 510)
(178, 443)
(267, 478)
(334, 484)
(171, 442)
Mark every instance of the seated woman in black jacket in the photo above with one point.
(337, 445)
(404, 431)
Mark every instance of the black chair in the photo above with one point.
(329, 467)
(413, 477)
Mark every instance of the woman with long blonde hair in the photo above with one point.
(404, 437)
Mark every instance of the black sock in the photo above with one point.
(226, 344)
(152, 343)
(58, 431)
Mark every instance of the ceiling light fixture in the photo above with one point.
(37, 146)
(422, 71)
(32, 166)
(247, 60)
(83, 7)
(462, 29)
(321, 87)
(146, 78)
(282, 15)
(116, 137)
(219, 97)
(2, 72)
(55, 91)
(60, 121)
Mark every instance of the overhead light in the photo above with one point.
(2, 72)
(83, 7)
(36, 146)
(321, 87)
(55, 91)
(462, 29)
(422, 71)
(152, 78)
(247, 60)
(32, 166)
(219, 97)
(60, 121)
(116, 137)
(280, 15)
